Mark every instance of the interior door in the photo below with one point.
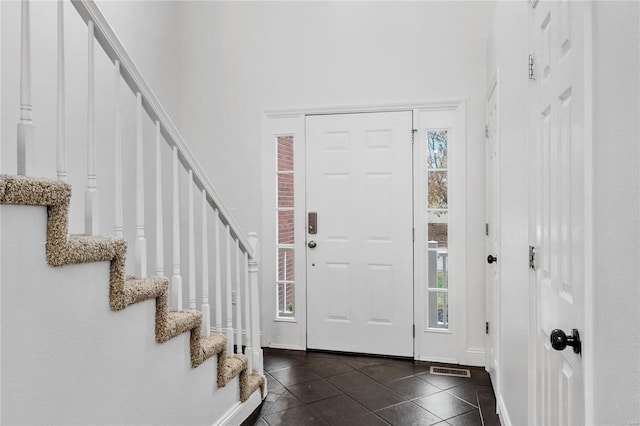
(558, 114)
(492, 232)
(360, 247)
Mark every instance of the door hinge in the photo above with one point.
(486, 229)
(414, 330)
(413, 135)
(486, 131)
(531, 63)
(532, 257)
(486, 327)
(413, 234)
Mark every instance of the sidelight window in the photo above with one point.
(285, 271)
(437, 230)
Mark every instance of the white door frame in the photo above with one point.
(494, 338)
(290, 333)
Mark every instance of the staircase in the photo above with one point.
(228, 330)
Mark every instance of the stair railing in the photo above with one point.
(231, 245)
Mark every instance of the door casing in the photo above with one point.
(290, 333)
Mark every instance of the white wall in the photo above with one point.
(78, 362)
(507, 52)
(242, 58)
(616, 319)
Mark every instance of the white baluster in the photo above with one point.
(206, 309)
(91, 194)
(247, 314)
(26, 130)
(176, 278)
(61, 168)
(141, 242)
(229, 295)
(255, 304)
(218, 277)
(159, 227)
(117, 227)
(238, 301)
(192, 247)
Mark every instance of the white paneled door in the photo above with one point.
(560, 208)
(360, 258)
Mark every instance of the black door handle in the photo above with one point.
(491, 259)
(560, 340)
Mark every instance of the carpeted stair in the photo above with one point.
(125, 290)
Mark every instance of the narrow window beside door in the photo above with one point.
(437, 225)
(285, 278)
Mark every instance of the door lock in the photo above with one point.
(491, 259)
(312, 223)
(312, 244)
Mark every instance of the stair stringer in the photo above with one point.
(63, 249)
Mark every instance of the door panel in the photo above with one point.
(360, 274)
(559, 205)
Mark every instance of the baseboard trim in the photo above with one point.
(240, 411)
(502, 412)
(440, 360)
(476, 357)
(284, 346)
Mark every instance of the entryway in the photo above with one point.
(365, 231)
(359, 200)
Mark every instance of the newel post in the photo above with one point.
(255, 303)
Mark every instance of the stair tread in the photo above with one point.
(178, 322)
(213, 344)
(254, 382)
(233, 366)
(33, 191)
(87, 248)
(136, 290)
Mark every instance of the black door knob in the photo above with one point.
(560, 340)
(491, 259)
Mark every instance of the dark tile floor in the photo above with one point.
(317, 388)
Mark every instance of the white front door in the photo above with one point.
(492, 234)
(559, 207)
(360, 258)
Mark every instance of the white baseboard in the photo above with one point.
(436, 359)
(290, 347)
(476, 357)
(240, 411)
(502, 412)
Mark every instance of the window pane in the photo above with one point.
(285, 190)
(285, 299)
(438, 261)
(437, 149)
(285, 227)
(285, 264)
(438, 232)
(437, 190)
(438, 309)
(285, 153)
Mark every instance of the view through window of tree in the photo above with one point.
(437, 228)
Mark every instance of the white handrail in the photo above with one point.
(114, 49)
